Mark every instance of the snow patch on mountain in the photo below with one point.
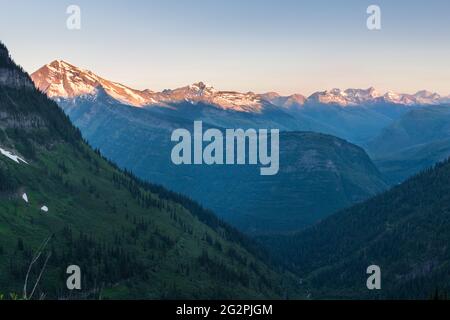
(12, 156)
(349, 97)
(60, 79)
(356, 97)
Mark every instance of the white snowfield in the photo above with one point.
(12, 156)
(25, 197)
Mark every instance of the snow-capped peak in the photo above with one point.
(427, 97)
(194, 91)
(423, 97)
(361, 95)
(348, 97)
(355, 97)
(60, 79)
(200, 92)
(201, 87)
(333, 96)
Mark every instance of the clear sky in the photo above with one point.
(289, 46)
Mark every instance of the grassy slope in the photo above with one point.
(167, 243)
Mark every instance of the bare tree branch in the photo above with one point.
(40, 275)
(33, 261)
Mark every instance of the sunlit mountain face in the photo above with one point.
(60, 79)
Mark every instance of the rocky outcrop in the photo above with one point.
(11, 75)
(15, 79)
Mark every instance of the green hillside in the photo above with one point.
(405, 231)
(131, 239)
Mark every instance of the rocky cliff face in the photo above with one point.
(14, 79)
(9, 75)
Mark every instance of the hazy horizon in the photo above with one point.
(261, 46)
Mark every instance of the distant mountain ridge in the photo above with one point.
(60, 79)
(414, 142)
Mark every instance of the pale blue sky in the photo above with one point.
(259, 45)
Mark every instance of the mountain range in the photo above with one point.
(138, 139)
(61, 79)
(133, 127)
(63, 204)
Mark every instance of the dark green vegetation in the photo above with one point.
(416, 141)
(319, 174)
(130, 238)
(406, 231)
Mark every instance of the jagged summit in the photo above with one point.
(355, 97)
(348, 97)
(60, 79)
(423, 97)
